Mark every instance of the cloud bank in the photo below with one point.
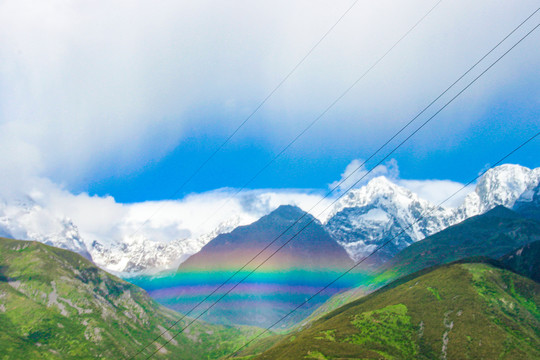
(91, 90)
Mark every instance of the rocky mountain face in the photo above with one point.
(525, 260)
(492, 234)
(503, 185)
(137, 254)
(382, 210)
(528, 204)
(367, 217)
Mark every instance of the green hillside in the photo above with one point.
(457, 311)
(493, 234)
(55, 304)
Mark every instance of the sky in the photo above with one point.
(122, 101)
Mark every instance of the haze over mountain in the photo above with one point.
(311, 248)
(308, 262)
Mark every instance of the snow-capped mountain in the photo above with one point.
(136, 253)
(502, 185)
(27, 220)
(381, 210)
(528, 204)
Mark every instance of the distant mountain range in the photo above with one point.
(359, 222)
(493, 234)
(499, 234)
(381, 210)
(311, 248)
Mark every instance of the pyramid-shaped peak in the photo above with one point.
(501, 211)
(287, 212)
(382, 183)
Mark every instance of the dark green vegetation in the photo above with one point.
(493, 234)
(457, 311)
(55, 304)
(525, 260)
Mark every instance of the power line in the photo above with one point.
(259, 106)
(305, 130)
(384, 244)
(325, 111)
(397, 147)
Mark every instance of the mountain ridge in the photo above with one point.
(359, 222)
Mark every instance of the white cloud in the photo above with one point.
(437, 191)
(105, 220)
(97, 89)
(356, 174)
(90, 90)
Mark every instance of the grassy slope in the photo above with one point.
(457, 311)
(493, 234)
(56, 304)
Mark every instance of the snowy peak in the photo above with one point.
(382, 210)
(360, 221)
(378, 191)
(502, 185)
(27, 220)
(138, 254)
